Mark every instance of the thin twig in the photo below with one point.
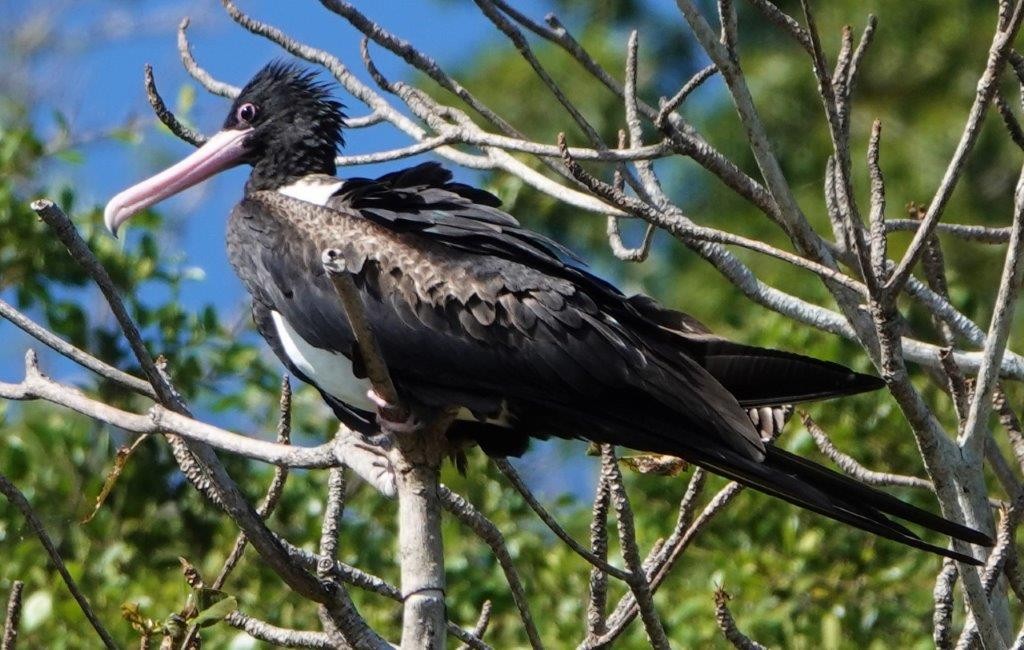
(13, 616)
(1010, 120)
(165, 115)
(638, 584)
(983, 234)
(482, 622)
(485, 529)
(80, 357)
(18, 500)
(277, 636)
(784, 21)
(998, 53)
(878, 242)
(850, 465)
(727, 624)
(1008, 419)
(510, 473)
(644, 168)
(942, 617)
(597, 603)
(331, 526)
(196, 71)
(672, 104)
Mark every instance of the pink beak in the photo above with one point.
(223, 150)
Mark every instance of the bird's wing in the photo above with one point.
(483, 331)
(423, 200)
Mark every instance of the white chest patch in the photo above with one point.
(312, 190)
(330, 371)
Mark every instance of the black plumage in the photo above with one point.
(473, 310)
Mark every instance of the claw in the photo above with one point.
(386, 414)
(377, 399)
(367, 459)
(769, 420)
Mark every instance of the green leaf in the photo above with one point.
(73, 156)
(216, 612)
(186, 99)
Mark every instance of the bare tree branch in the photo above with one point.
(510, 473)
(466, 513)
(598, 601)
(196, 71)
(998, 53)
(850, 465)
(12, 618)
(165, 115)
(278, 636)
(80, 357)
(638, 584)
(942, 617)
(18, 500)
(728, 626)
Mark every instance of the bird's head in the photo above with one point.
(284, 123)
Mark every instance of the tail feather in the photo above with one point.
(755, 376)
(821, 490)
(760, 377)
(882, 501)
(764, 377)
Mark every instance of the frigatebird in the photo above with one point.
(473, 311)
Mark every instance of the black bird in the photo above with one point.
(472, 310)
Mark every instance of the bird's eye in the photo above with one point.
(246, 113)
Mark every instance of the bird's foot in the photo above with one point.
(769, 420)
(369, 459)
(392, 417)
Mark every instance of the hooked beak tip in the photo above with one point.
(110, 217)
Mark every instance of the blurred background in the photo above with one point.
(75, 126)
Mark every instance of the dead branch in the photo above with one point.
(12, 618)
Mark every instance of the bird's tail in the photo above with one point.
(819, 489)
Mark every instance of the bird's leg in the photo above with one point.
(367, 457)
(393, 418)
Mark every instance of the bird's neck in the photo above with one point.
(271, 174)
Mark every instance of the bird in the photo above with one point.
(475, 312)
